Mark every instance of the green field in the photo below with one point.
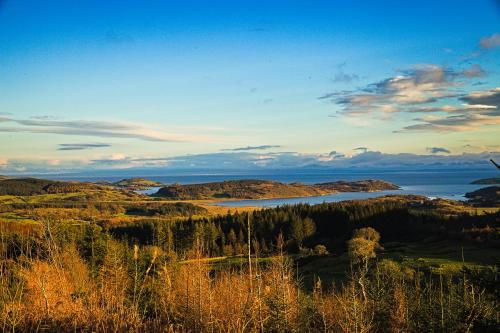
(438, 257)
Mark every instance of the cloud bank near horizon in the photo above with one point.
(438, 157)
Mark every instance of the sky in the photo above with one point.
(247, 84)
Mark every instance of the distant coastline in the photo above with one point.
(444, 183)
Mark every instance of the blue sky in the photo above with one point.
(113, 84)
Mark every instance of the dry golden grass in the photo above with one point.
(213, 209)
(60, 293)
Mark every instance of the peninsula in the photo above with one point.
(264, 189)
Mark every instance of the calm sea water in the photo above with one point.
(448, 184)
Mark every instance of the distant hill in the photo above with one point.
(34, 186)
(487, 181)
(264, 189)
(486, 196)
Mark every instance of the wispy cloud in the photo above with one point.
(481, 108)
(437, 150)
(263, 147)
(420, 86)
(473, 71)
(82, 146)
(336, 154)
(451, 108)
(361, 149)
(343, 77)
(91, 128)
(438, 93)
(461, 122)
(80, 124)
(122, 161)
(489, 98)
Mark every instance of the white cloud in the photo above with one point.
(423, 83)
(490, 42)
(474, 71)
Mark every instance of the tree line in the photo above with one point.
(304, 227)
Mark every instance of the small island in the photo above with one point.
(369, 185)
(265, 189)
(136, 184)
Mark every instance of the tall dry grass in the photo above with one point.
(142, 289)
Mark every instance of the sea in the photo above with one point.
(442, 183)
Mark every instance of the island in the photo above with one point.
(136, 184)
(265, 189)
(368, 185)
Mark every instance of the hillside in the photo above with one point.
(34, 186)
(487, 181)
(486, 196)
(263, 189)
